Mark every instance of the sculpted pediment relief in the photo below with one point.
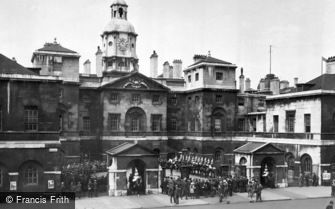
(135, 83)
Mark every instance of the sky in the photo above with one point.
(237, 31)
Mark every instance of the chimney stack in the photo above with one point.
(14, 59)
(166, 69)
(295, 81)
(98, 62)
(198, 57)
(242, 81)
(284, 84)
(330, 65)
(87, 67)
(247, 84)
(177, 68)
(274, 86)
(171, 72)
(154, 65)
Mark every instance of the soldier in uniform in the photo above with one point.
(177, 191)
(171, 189)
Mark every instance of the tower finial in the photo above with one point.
(55, 40)
(209, 53)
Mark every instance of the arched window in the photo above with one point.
(306, 163)
(135, 120)
(218, 117)
(243, 161)
(218, 154)
(31, 175)
(195, 150)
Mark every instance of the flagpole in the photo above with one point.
(321, 65)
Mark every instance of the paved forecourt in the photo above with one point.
(156, 201)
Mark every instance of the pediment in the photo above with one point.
(269, 148)
(135, 81)
(130, 149)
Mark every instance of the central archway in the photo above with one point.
(268, 172)
(136, 177)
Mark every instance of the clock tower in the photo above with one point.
(119, 41)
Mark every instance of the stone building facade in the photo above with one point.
(129, 119)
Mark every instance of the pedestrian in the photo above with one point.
(62, 186)
(95, 188)
(177, 192)
(315, 180)
(90, 188)
(259, 188)
(230, 186)
(333, 188)
(301, 180)
(220, 191)
(171, 190)
(307, 180)
(78, 189)
(192, 189)
(330, 205)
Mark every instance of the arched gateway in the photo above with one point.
(134, 170)
(136, 175)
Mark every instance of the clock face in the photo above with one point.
(123, 44)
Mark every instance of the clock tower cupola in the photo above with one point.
(119, 41)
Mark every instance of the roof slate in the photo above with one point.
(209, 59)
(324, 82)
(55, 47)
(250, 147)
(120, 148)
(8, 66)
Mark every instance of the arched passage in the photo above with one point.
(268, 172)
(136, 176)
(136, 120)
(218, 154)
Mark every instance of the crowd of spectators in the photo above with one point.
(85, 177)
(178, 188)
